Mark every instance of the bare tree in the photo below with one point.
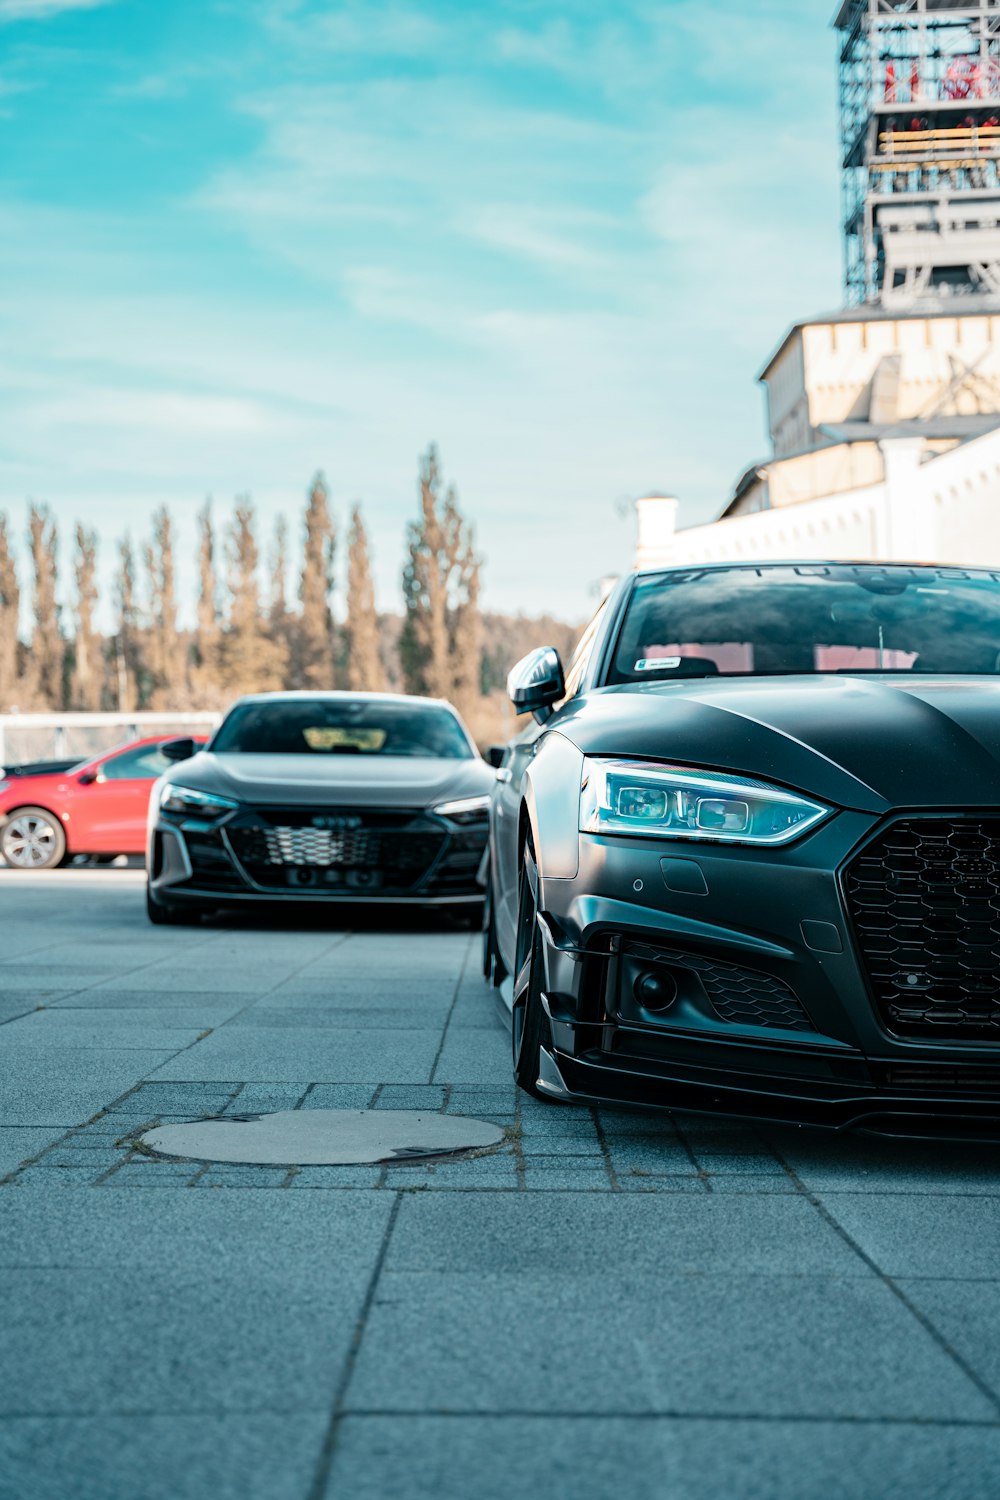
(466, 638)
(206, 670)
(10, 604)
(252, 660)
(127, 648)
(166, 661)
(313, 655)
(277, 596)
(85, 682)
(364, 663)
(441, 595)
(47, 646)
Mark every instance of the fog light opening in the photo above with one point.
(656, 992)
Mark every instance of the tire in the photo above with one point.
(530, 1031)
(33, 839)
(172, 916)
(494, 968)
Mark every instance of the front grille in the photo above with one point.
(307, 846)
(925, 902)
(743, 997)
(932, 1078)
(366, 851)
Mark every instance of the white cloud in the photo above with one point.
(42, 10)
(562, 239)
(354, 28)
(754, 230)
(569, 287)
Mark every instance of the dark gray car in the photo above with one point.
(320, 797)
(748, 858)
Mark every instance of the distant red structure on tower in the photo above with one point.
(919, 107)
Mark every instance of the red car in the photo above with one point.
(97, 807)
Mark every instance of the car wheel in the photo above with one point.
(494, 968)
(33, 839)
(172, 916)
(530, 1031)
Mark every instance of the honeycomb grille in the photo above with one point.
(925, 902)
(743, 997)
(376, 854)
(309, 846)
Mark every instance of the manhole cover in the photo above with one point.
(324, 1137)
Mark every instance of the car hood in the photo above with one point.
(860, 742)
(348, 781)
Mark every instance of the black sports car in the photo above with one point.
(320, 797)
(748, 857)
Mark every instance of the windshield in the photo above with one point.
(805, 619)
(318, 726)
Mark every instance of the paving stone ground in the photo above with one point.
(672, 1307)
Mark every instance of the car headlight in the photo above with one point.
(656, 801)
(4, 785)
(464, 809)
(188, 802)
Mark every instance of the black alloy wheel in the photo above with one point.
(494, 968)
(530, 1031)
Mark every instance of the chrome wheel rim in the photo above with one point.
(29, 842)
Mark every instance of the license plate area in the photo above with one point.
(330, 877)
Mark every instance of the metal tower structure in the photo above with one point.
(920, 132)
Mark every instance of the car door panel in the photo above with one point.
(108, 815)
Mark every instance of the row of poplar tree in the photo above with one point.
(248, 637)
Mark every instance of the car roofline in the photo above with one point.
(292, 695)
(756, 564)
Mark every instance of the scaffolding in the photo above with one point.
(920, 134)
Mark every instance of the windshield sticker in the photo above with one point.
(657, 664)
(340, 737)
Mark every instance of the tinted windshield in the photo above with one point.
(342, 727)
(761, 621)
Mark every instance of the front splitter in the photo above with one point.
(581, 1080)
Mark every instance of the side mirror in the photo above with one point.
(181, 749)
(495, 755)
(87, 778)
(536, 683)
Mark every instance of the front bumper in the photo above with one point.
(280, 855)
(728, 980)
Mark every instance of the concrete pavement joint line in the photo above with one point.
(512, 1414)
(8, 1020)
(162, 1063)
(892, 1286)
(69, 1130)
(318, 1488)
(451, 1009)
(702, 1174)
(668, 1414)
(340, 939)
(132, 1154)
(304, 1095)
(517, 1141)
(602, 1141)
(126, 973)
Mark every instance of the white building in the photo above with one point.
(885, 438)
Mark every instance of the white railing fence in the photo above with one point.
(30, 737)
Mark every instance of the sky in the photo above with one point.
(245, 240)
